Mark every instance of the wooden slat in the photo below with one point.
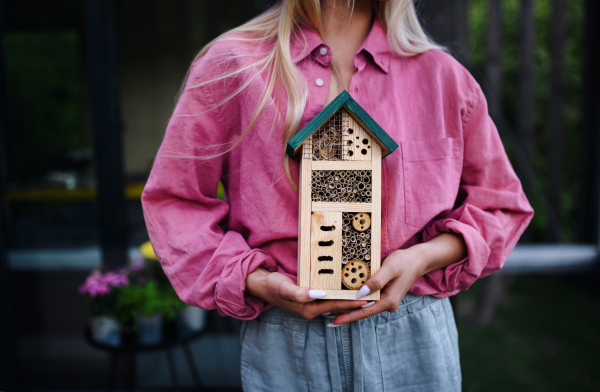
(349, 295)
(326, 281)
(357, 137)
(304, 223)
(348, 165)
(343, 207)
(376, 214)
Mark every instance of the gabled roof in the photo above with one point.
(344, 100)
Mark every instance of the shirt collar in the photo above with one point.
(305, 40)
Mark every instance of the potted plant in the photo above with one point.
(145, 304)
(188, 319)
(100, 292)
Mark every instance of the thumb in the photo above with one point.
(290, 291)
(377, 281)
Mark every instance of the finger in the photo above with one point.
(361, 313)
(333, 306)
(378, 281)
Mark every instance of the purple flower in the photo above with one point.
(115, 279)
(137, 266)
(100, 284)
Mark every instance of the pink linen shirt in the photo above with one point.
(450, 174)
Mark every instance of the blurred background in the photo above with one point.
(86, 90)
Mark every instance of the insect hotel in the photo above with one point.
(339, 229)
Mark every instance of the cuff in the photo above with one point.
(460, 275)
(230, 295)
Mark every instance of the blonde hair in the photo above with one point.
(278, 25)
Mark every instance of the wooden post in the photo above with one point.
(589, 196)
(103, 81)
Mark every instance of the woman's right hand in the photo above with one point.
(282, 292)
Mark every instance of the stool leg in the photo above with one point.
(171, 364)
(131, 371)
(192, 365)
(112, 376)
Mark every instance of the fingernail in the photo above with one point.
(314, 294)
(330, 317)
(368, 304)
(332, 325)
(326, 314)
(363, 292)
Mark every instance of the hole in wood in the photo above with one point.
(364, 151)
(350, 153)
(365, 141)
(327, 228)
(358, 137)
(350, 131)
(326, 243)
(326, 272)
(325, 258)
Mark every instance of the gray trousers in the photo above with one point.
(414, 349)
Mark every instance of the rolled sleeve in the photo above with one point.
(491, 211)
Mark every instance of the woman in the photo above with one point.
(452, 207)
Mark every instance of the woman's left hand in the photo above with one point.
(401, 269)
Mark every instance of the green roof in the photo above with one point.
(344, 100)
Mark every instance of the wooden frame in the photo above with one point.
(340, 182)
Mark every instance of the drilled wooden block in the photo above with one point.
(326, 250)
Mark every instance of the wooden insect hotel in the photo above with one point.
(339, 229)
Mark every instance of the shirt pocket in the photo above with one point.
(432, 171)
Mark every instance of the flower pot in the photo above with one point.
(106, 330)
(149, 329)
(190, 320)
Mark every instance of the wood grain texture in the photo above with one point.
(319, 237)
(361, 141)
(304, 217)
(341, 165)
(349, 295)
(376, 213)
(343, 207)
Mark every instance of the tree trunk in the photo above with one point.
(493, 68)
(525, 125)
(556, 109)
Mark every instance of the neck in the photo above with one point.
(344, 23)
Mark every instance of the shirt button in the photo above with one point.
(319, 82)
(323, 51)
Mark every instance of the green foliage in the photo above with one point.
(145, 299)
(571, 175)
(102, 305)
(45, 70)
(543, 338)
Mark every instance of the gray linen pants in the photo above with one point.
(414, 349)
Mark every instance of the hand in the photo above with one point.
(401, 269)
(282, 292)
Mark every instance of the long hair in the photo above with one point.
(278, 25)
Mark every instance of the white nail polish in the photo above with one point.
(315, 294)
(326, 314)
(332, 325)
(368, 304)
(330, 317)
(363, 292)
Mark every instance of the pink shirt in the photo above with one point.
(450, 174)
